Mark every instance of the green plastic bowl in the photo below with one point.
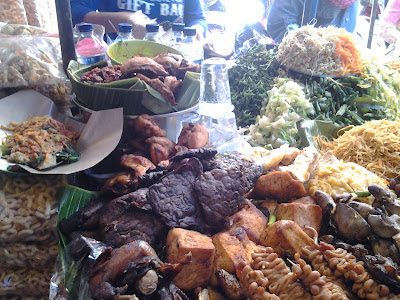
(119, 53)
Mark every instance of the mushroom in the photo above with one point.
(350, 224)
(385, 226)
(148, 283)
(362, 208)
(325, 201)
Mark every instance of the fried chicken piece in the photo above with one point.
(160, 148)
(121, 184)
(160, 87)
(171, 62)
(174, 84)
(137, 163)
(142, 65)
(193, 136)
(158, 153)
(186, 67)
(146, 127)
(116, 262)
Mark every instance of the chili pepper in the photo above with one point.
(271, 220)
(362, 193)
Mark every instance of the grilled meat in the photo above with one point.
(143, 65)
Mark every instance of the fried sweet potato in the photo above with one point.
(279, 185)
(198, 271)
(303, 214)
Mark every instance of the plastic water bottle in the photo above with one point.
(216, 104)
(124, 32)
(152, 33)
(190, 47)
(177, 35)
(215, 93)
(88, 48)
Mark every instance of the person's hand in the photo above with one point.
(390, 34)
(199, 32)
(137, 19)
(292, 26)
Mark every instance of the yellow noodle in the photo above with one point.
(374, 145)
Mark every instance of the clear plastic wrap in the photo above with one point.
(24, 255)
(13, 11)
(30, 60)
(59, 93)
(28, 207)
(25, 282)
(19, 29)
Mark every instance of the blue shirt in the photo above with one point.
(190, 11)
(300, 12)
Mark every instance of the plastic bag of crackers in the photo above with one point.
(31, 59)
(28, 236)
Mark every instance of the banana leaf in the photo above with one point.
(190, 92)
(134, 95)
(155, 102)
(311, 128)
(71, 199)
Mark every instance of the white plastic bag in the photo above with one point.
(30, 60)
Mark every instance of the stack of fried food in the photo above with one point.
(207, 226)
(28, 236)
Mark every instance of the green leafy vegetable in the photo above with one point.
(250, 80)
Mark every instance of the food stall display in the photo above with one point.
(309, 212)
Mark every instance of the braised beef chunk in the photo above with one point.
(202, 153)
(133, 225)
(384, 269)
(102, 75)
(86, 218)
(118, 206)
(173, 198)
(151, 178)
(250, 171)
(220, 193)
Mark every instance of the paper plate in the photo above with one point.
(99, 136)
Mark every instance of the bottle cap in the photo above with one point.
(189, 31)
(85, 27)
(124, 27)
(152, 27)
(178, 26)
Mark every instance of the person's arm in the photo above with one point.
(104, 18)
(79, 8)
(391, 14)
(292, 11)
(283, 14)
(193, 16)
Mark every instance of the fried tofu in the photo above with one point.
(196, 273)
(231, 248)
(251, 219)
(286, 236)
(280, 186)
(303, 214)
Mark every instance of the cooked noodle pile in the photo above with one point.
(374, 145)
(320, 51)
